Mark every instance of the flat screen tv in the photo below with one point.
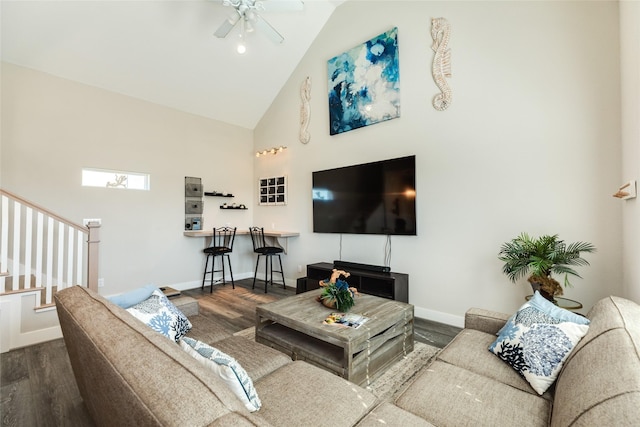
(371, 198)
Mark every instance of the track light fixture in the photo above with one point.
(273, 150)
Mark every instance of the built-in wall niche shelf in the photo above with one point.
(193, 207)
(272, 191)
(217, 194)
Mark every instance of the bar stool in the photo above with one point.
(222, 246)
(260, 247)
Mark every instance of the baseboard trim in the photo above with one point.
(13, 333)
(185, 286)
(438, 316)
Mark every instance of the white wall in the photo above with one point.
(529, 144)
(52, 128)
(630, 66)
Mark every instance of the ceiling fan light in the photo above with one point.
(241, 47)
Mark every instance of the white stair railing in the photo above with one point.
(40, 253)
(48, 252)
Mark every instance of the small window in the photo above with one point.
(115, 179)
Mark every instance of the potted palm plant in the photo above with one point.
(542, 257)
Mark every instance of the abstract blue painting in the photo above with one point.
(364, 84)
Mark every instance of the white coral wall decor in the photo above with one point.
(440, 32)
(305, 110)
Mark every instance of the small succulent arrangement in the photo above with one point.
(336, 292)
(541, 257)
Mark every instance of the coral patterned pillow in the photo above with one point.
(536, 343)
(161, 315)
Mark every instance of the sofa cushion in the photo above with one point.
(299, 394)
(257, 359)
(387, 414)
(447, 395)
(600, 382)
(468, 350)
(161, 315)
(234, 419)
(227, 368)
(604, 316)
(484, 320)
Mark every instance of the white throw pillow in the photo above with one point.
(227, 368)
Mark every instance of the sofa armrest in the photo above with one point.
(485, 320)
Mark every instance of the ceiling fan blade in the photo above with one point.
(282, 5)
(267, 29)
(227, 26)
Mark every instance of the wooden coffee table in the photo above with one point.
(294, 326)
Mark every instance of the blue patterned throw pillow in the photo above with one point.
(133, 297)
(227, 368)
(536, 341)
(547, 307)
(161, 315)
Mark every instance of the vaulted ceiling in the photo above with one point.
(162, 51)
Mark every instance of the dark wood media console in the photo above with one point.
(391, 285)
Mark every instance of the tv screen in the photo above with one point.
(371, 198)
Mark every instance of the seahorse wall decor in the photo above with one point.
(440, 30)
(305, 110)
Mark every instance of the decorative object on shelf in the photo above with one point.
(273, 150)
(232, 206)
(336, 292)
(543, 256)
(217, 194)
(272, 191)
(305, 110)
(440, 32)
(627, 191)
(364, 84)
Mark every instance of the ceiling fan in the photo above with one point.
(246, 13)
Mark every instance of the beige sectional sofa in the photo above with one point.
(466, 385)
(130, 375)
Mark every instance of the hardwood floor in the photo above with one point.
(236, 308)
(37, 387)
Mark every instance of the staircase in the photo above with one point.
(40, 253)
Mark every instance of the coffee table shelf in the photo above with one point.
(303, 347)
(294, 326)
